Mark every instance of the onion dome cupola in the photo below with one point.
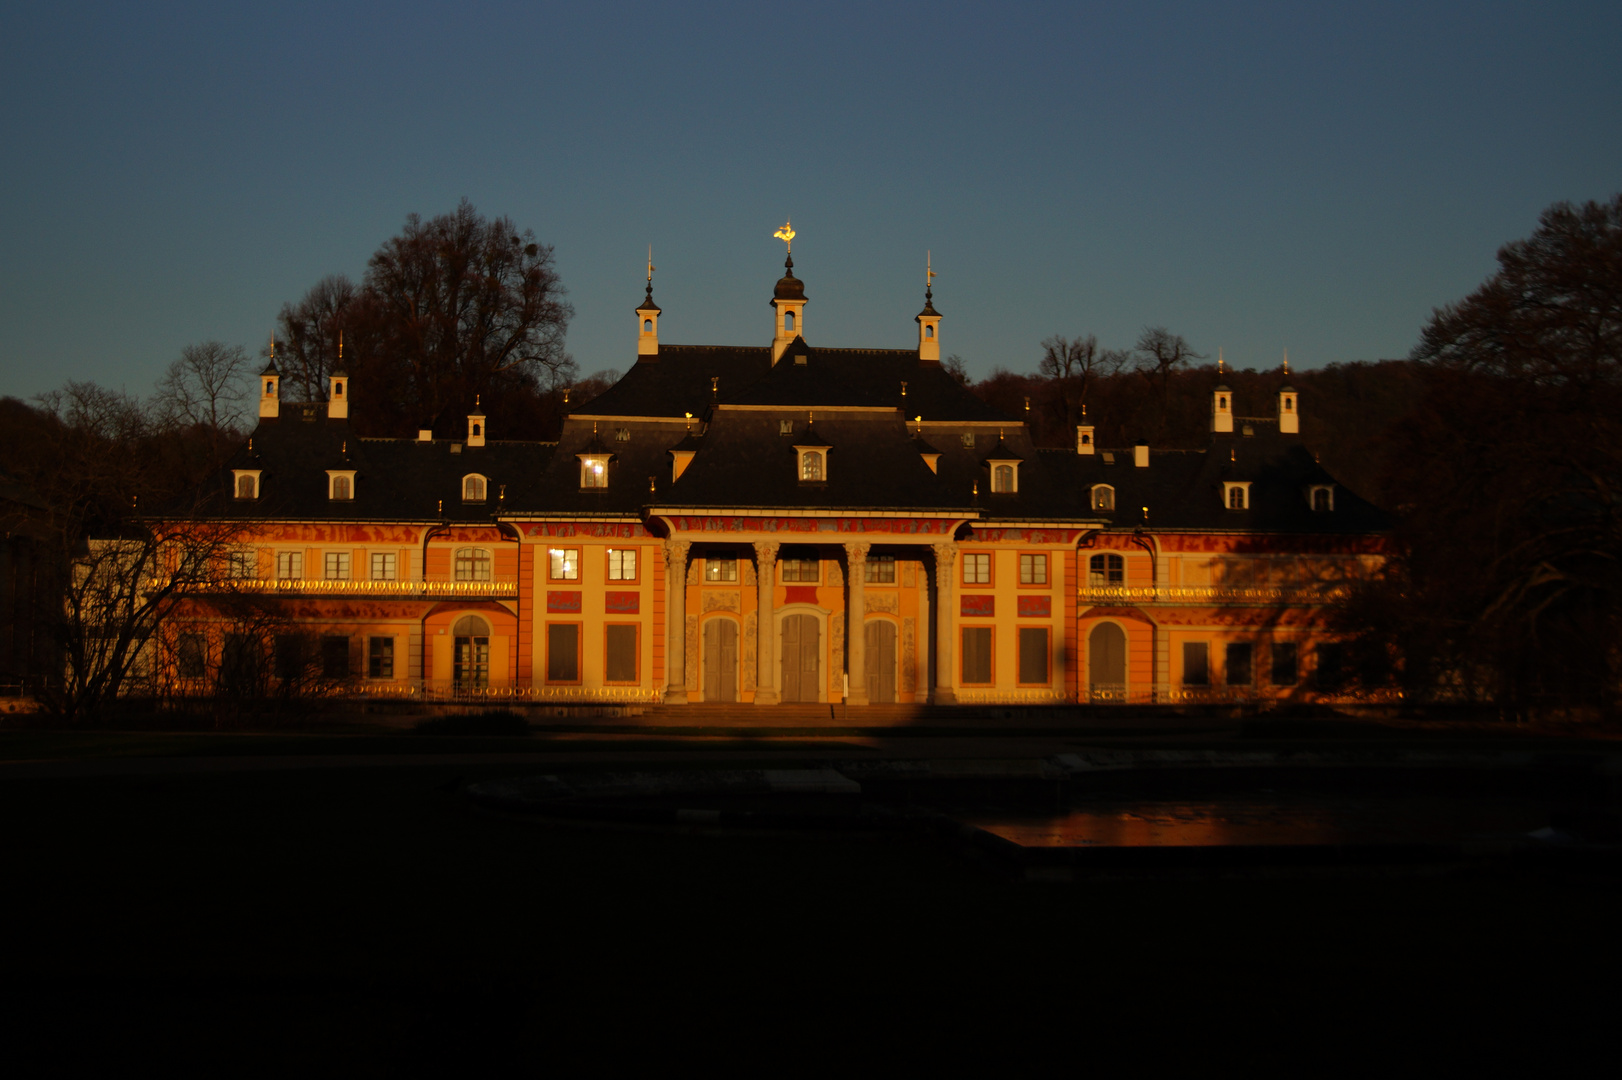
(788, 301)
(647, 321)
(929, 320)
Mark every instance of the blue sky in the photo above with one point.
(1256, 177)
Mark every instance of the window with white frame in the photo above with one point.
(622, 564)
(384, 566)
(1322, 497)
(801, 570)
(1103, 497)
(977, 568)
(340, 485)
(1104, 570)
(1004, 478)
(336, 566)
(880, 570)
(243, 565)
(247, 483)
(813, 465)
(289, 565)
(1236, 494)
(471, 564)
(721, 568)
(594, 471)
(563, 564)
(473, 488)
(1033, 569)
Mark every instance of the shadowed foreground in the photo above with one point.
(372, 921)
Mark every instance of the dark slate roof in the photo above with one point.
(395, 479)
(677, 381)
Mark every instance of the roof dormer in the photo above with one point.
(1004, 465)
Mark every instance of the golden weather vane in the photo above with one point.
(786, 234)
(650, 264)
(929, 270)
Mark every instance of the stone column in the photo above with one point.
(766, 692)
(676, 621)
(856, 623)
(945, 623)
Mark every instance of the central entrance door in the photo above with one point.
(802, 650)
(1106, 662)
(472, 656)
(880, 661)
(720, 660)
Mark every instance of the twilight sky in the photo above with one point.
(1256, 177)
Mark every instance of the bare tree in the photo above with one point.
(206, 387)
(309, 333)
(1159, 354)
(1072, 366)
(956, 368)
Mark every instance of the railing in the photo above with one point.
(1209, 594)
(449, 690)
(1011, 697)
(498, 585)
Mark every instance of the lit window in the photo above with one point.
(811, 465)
(383, 566)
(594, 472)
(802, 570)
(473, 488)
(1103, 497)
(565, 564)
(337, 566)
(622, 564)
(243, 565)
(880, 570)
(1002, 478)
(722, 570)
(1033, 569)
(1106, 570)
(472, 564)
(289, 565)
(977, 569)
(340, 487)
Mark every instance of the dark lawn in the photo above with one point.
(369, 921)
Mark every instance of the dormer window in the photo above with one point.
(1236, 494)
(246, 483)
(1322, 497)
(340, 484)
(1004, 479)
(813, 465)
(473, 488)
(1103, 497)
(593, 470)
(785, 427)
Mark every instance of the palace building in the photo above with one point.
(782, 523)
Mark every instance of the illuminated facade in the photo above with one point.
(786, 524)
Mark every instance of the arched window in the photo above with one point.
(478, 429)
(247, 486)
(472, 564)
(594, 472)
(337, 389)
(1002, 478)
(1222, 403)
(788, 322)
(647, 326)
(1103, 497)
(1106, 570)
(340, 487)
(929, 331)
(471, 637)
(811, 465)
(1236, 496)
(473, 488)
(1323, 498)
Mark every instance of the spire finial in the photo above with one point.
(476, 405)
(929, 274)
(273, 346)
(786, 234)
(1219, 360)
(1286, 361)
(650, 266)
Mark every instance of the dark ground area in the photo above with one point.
(371, 921)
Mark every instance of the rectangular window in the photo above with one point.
(1033, 569)
(1106, 570)
(594, 472)
(334, 656)
(722, 570)
(565, 564)
(976, 654)
(1286, 665)
(289, 565)
(243, 565)
(977, 568)
(622, 564)
(380, 657)
(1237, 664)
(880, 570)
(563, 652)
(620, 653)
(471, 564)
(190, 654)
(1033, 655)
(802, 570)
(1196, 663)
(1331, 665)
(289, 657)
(384, 567)
(337, 566)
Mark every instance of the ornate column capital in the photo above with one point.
(676, 553)
(766, 550)
(857, 552)
(945, 551)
